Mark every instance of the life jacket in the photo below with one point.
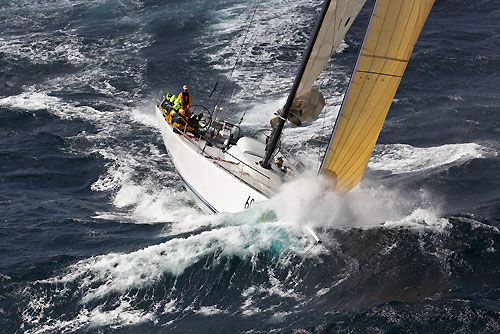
(166, 102)
(185, 100)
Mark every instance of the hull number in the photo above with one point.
(249, 202)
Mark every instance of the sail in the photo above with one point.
(334, 20)
(339, 17)
(305, 108)
(392, 33)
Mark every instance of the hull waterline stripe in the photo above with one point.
(208, 205)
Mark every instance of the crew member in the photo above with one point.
(185, 100)
(179, 117)
(279, 163)
(166, 102)
(172, 99)
(175, 104)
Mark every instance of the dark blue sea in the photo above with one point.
(98, 235)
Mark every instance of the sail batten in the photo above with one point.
(380, 73)
(392, 33)
(388, 58)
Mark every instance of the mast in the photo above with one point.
(271, 146)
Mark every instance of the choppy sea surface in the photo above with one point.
(98, 235)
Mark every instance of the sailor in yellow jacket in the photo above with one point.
(179, 117)
(185, 100)
(176, 106)
(166, 104)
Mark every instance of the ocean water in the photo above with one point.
(98, 235)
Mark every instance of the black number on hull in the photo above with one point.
(249, 202)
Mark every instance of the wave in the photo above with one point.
(267, 243)
(386, 252)
(261, 275)
(403, 158)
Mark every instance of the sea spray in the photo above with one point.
(311, 199)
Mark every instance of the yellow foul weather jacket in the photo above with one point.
(185, 100)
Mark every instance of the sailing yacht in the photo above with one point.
(227, 172)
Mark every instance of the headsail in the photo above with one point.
(392, 33)
(305, 103)
(339, 17)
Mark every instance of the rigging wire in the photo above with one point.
(224, 88)
(261, 76)
(251, 88)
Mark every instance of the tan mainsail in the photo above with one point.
(392, 33)
(338, 19)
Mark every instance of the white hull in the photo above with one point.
(220, 181)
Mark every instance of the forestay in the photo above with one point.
(392, 33)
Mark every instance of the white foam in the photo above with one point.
(209, 310)
(29, 101)
(260, 292)
(33, 100)
(122, 316)
(155, 197)
(305, 200)
(170, 306)
(144, 113)
(421, 219)
(248, 306)
(279, 317)
(278, 288)
(99, 276)
(402, 158)
(149, 199)
(151, 204)
(322, 292)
